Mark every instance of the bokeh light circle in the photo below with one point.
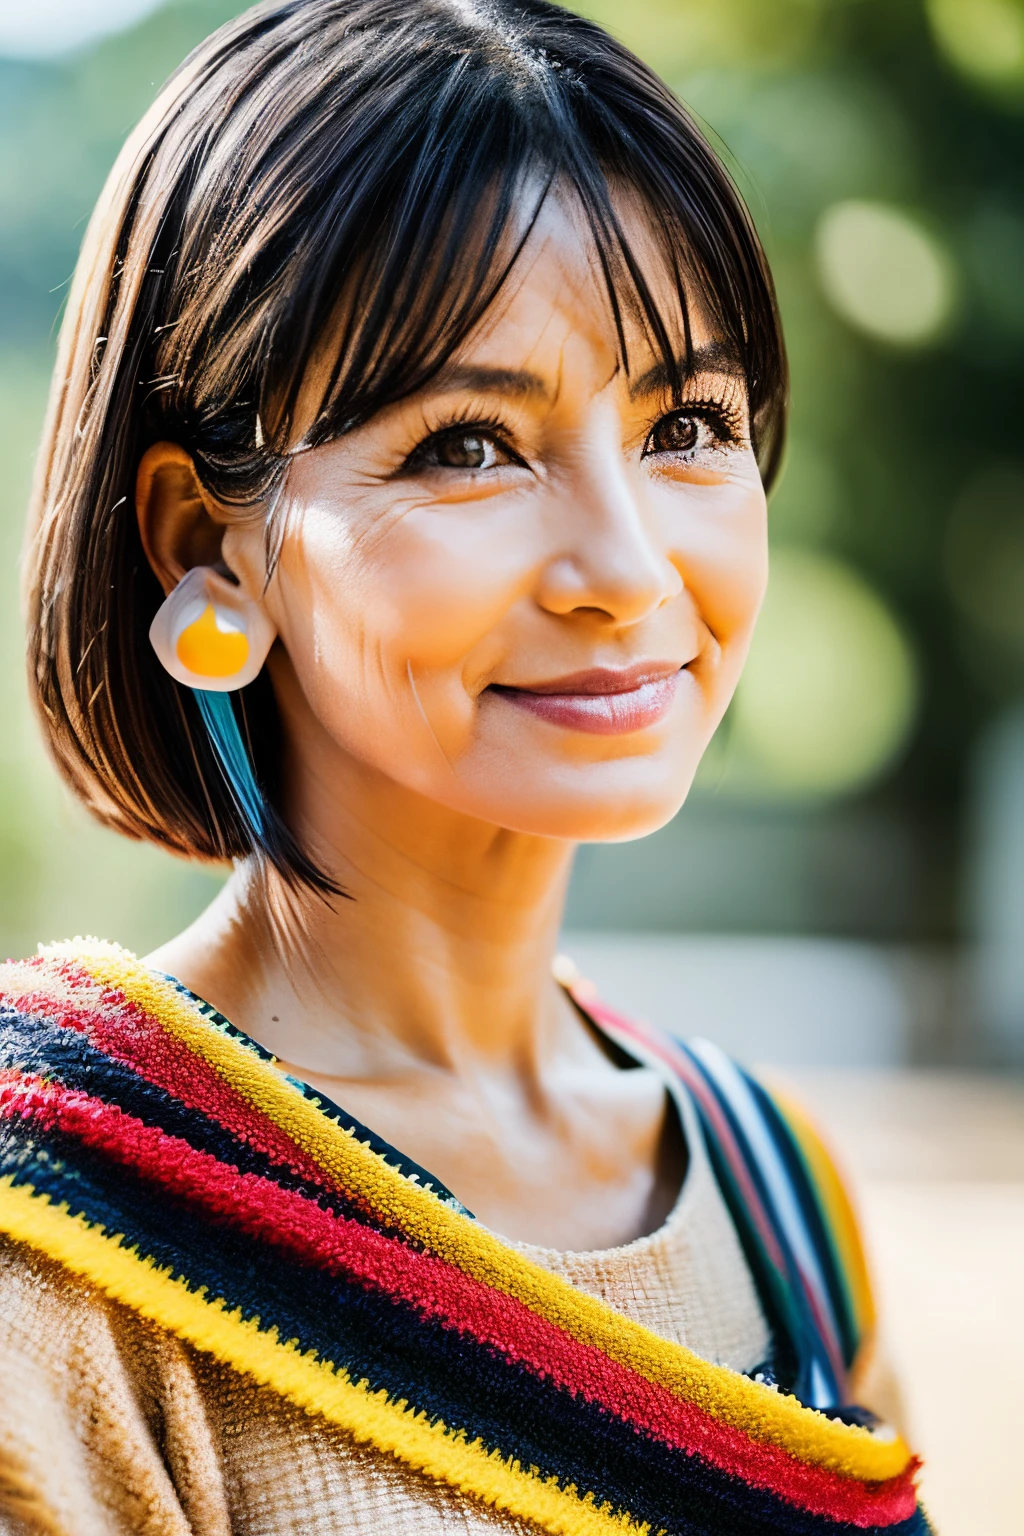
(982, 38)
(884, 272)
(829, 692)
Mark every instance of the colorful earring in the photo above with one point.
(208, 636)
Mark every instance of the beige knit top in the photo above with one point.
(111, 1427)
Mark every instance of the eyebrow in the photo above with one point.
(495, 381)
(715, 357)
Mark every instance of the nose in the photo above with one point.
(607, 560)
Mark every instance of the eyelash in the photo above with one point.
(725, 421)
(465, 421)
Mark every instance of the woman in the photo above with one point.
(401, 523)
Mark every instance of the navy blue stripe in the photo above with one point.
(814, 1217)
(61, 1054)
(795, 1335)
(773, 1291)
(447, 1374)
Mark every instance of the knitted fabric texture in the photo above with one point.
(155, 1151)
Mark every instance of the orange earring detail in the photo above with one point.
(208, 635)
(211, 646)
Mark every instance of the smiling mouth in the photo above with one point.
(604, 701)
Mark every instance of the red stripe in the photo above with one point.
(439, 1290)
(132, 1037)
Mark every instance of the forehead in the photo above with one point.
(563, 311)
(560, 299)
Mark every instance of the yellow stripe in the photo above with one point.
(838, 1209)
(240, 1343)
(723, 1394)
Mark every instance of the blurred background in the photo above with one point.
(843, 895)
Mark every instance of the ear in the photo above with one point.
(176, 521)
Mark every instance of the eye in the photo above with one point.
(461, 448)
(689, 431)
(675, 434)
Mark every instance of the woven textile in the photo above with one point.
(159, 1154)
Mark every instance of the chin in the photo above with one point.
(587, 808)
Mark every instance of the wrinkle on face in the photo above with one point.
(405, 595)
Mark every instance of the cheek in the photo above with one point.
(441, 579)
(414, 587)
(721, 550)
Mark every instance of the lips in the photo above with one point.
(604, 701)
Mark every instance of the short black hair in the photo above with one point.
(367, 169)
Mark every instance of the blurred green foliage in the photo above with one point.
(880, 144)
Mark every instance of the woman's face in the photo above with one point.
(527, 592)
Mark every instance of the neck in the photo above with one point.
(440, 958)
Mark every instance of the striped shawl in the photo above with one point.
(150, 1147)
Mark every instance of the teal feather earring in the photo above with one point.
(213, 639)
(236, 765)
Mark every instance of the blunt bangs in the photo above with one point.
(366, 171)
